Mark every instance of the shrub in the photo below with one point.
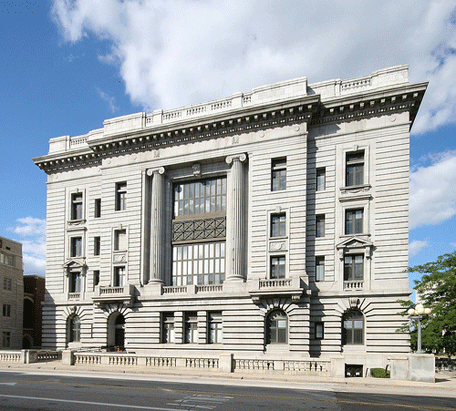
(379, 373)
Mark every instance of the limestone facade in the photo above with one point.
(272, 224)
(11, 294)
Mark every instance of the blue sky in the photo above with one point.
(67, 65)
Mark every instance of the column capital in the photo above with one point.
(240, 157)
(152, 171)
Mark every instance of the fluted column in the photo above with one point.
(157, 226)
(236, 247)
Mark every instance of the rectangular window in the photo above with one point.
(119, 276)
(215, 328)
(76, 246)
(7, 284)
(353, 267)
(121, 196)
(200, 197)
(319, 269)
(199, 263)
(278, 225)
(191, 328)
(321, 179)
(279, 174)
(96, 245)
(354, 221)
(96, 278)
(6, 339)
(6, 310)
(76, 206)
(75, 282)
(320, 225)
(97, 208)
(277, 267)
(319, 331)
(355, 168)
(168, 328)
(120, 240)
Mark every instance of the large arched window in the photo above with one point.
(277, 327)
(74, 329)
(116, 331)
(353, 328)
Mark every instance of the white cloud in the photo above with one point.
(108, 99)
(31, 232)
(182, 52)
(432, 191)
(416, 246)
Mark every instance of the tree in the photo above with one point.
(437, 290)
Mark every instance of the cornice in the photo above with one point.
(310, 109)
(397, 99)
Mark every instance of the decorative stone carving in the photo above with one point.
(119, 258)
(196, 168)
(199, 229)
(278, 246)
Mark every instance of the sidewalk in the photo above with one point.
(445, 384)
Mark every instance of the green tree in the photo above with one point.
(437, 290)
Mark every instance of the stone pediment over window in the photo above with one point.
(355, 244)
(75, 264)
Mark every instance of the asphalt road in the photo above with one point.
(51, 391)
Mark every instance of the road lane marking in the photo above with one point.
(8, 383)
(136, 407)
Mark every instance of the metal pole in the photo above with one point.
(418, 351)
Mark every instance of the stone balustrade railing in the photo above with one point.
(210, 288)
(273, 283)
(29, 356)
(353, 285)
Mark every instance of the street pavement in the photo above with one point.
(444, 386)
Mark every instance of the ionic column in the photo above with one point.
(157, 226)
(236, 248)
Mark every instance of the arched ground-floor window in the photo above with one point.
(353, 328)
(277, 327)
(116, 331)
(73, 329)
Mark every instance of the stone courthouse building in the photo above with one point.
(269, 225)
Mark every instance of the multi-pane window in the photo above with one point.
(277, 267)
(7, 284)
(7, 259)
(121, 196)
(319, 268)
(6, 310)
(354, 168)
(96, 245)
(168, 328)
(199, 231)
(215, 328)
(96, 278)
(75, 282)
(76, 206)
(97, 208)
(279, 174)
(319, 331)
(278, 225)
(74, 329)
(76, 246)
(119, 276)
(120, 240)
(6, 339)
(277, 328)
(354, 221)
(321, 179)
(200, 197)
(353, 267)
(191, 328)
(353, 328)
(320, 225)
(199, 263)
